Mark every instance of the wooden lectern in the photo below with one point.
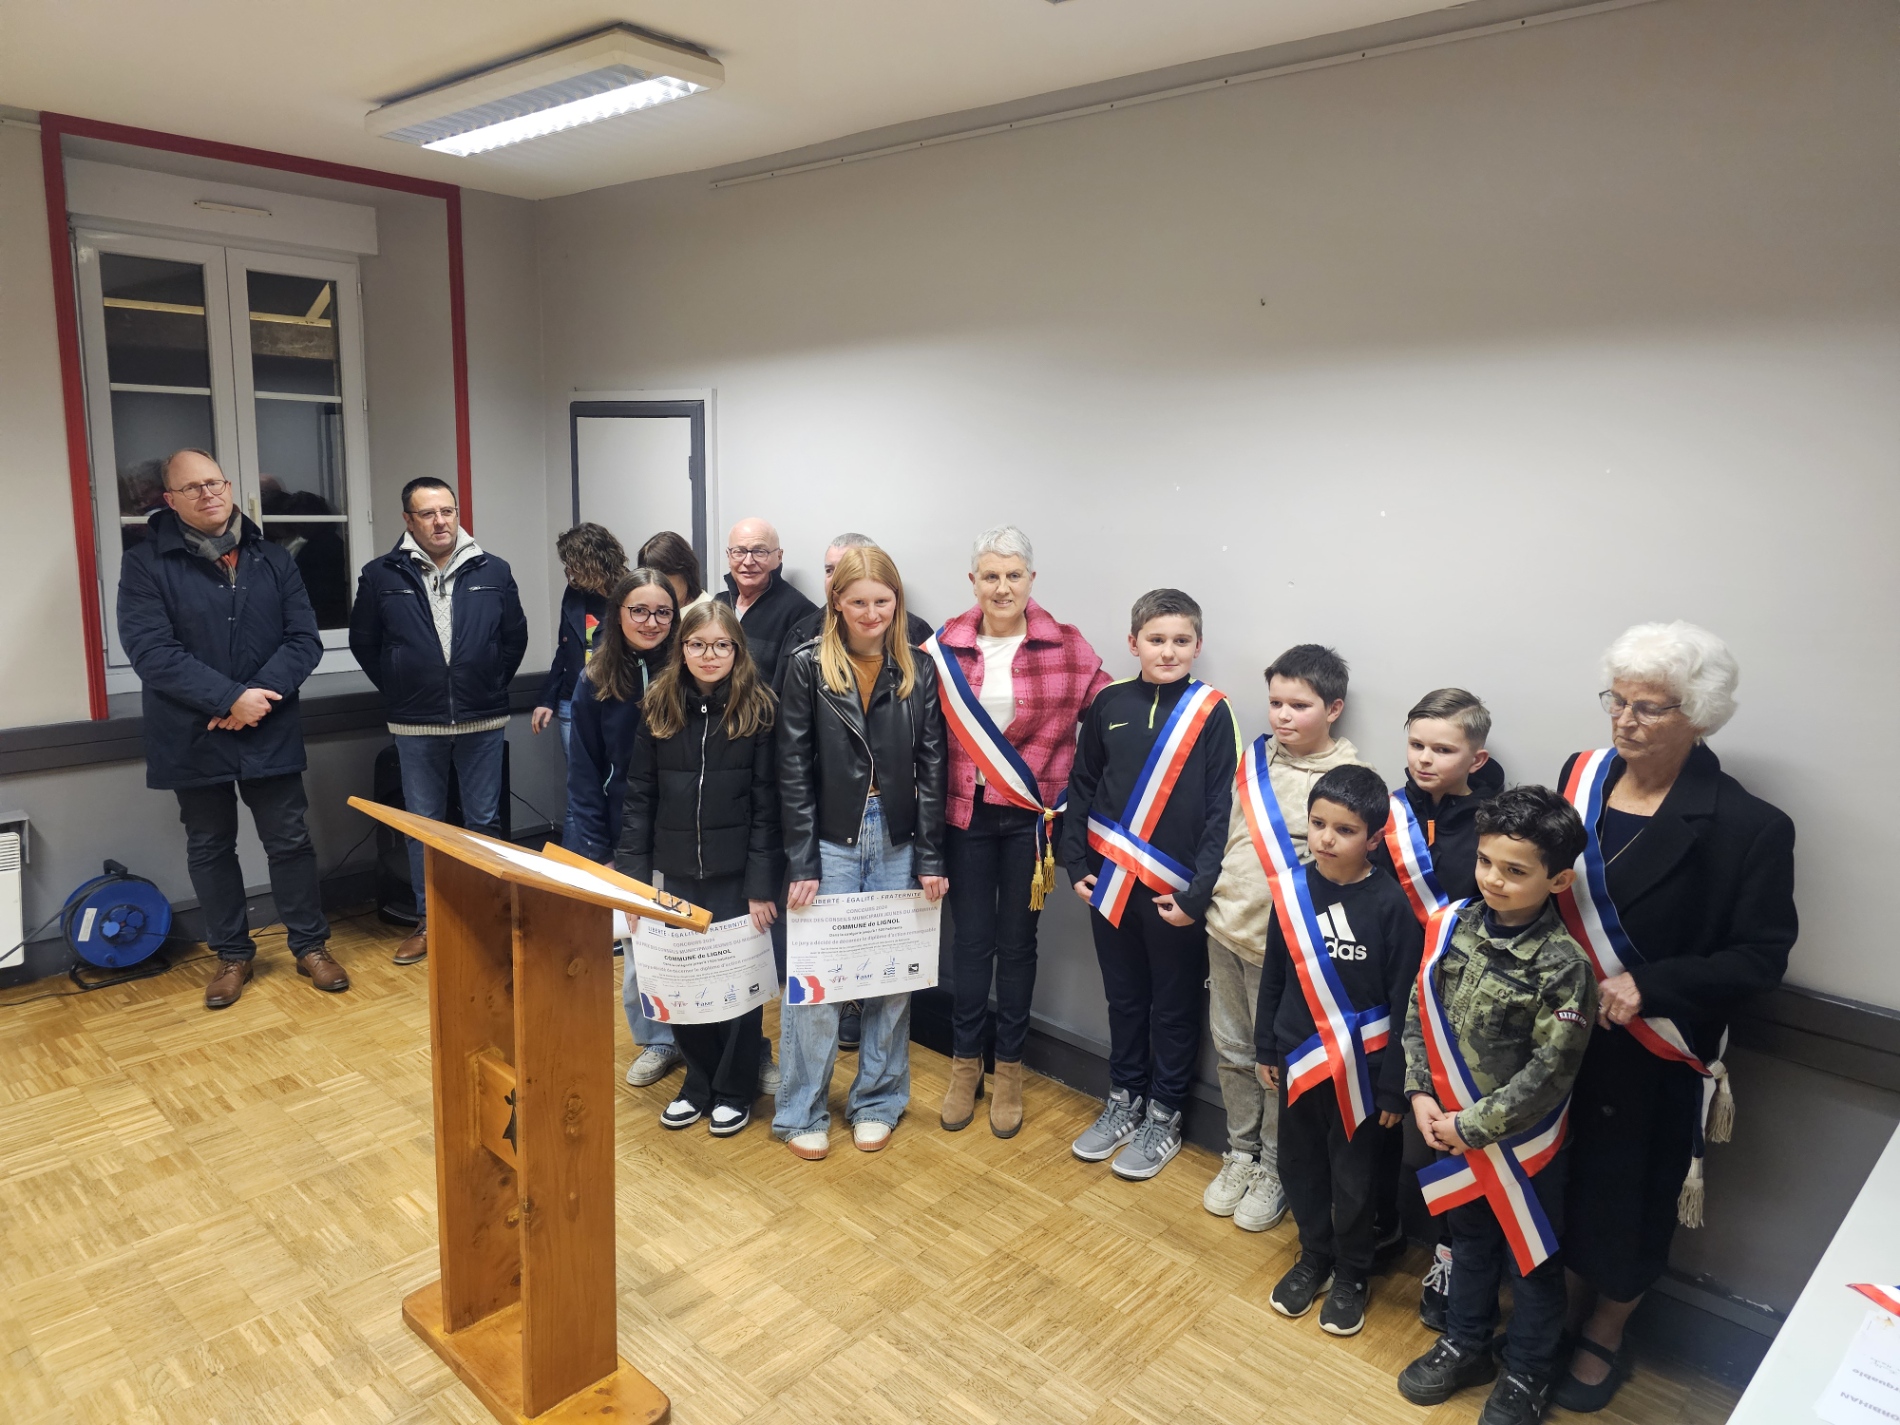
(521, 1028)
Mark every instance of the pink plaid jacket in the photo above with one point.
(1055, 676)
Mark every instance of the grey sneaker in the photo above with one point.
(1224, 1194)
(653, 1064)
(768, 1073)
(1119, 1119)
(1152, 1148)
(1264, 1205)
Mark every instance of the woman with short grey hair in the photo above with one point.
(1015, 684)
(1692, 880)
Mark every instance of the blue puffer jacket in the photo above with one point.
(197, 641)
(597, 762)
(392, 634)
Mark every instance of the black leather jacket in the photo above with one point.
(830, 751)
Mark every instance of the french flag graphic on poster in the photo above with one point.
(654, 1008)
(1887, 1296)
(804, 989)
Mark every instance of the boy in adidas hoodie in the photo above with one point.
(1306, 693)
(1154, 962)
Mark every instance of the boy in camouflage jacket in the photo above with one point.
(1519, 997)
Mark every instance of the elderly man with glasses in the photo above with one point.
(438, 628)
(220, 631)
(756, 590)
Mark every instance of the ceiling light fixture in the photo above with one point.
(615, 71)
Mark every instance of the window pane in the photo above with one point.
(155, 321)
(293, 334)
(322, 552)
(147, 426)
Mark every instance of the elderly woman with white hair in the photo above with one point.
(1014, 686)
(1686, 904)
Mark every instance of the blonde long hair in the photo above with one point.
(750, 706)
(834, 660)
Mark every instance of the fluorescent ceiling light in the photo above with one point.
(616, 71)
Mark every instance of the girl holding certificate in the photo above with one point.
(861, 790)
(702, 809)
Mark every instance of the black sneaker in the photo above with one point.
(1345, 1309)
(1515, 1401)
(1443, 1371)
(1296, 1292)
(1387, 1251)
(1434, 1296)
(850, 1026)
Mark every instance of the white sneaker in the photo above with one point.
(1223, 1195)
(679, 1114)
(870, 1137)
(768, 1075)
(652, 1065)
(809, 1146)
(727, 1120)
(1264, 1205)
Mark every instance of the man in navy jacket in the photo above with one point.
(221, 634)
(438, 628)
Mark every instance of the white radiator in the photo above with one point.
(12, 925)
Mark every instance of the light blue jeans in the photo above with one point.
(808, 1033)
(646, 1032)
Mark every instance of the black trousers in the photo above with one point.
(991, 865)
(1154, 974)
(722, 1059)
(1480, 1258)
(1332, 1182)
(278, 810)
(1632, 1134)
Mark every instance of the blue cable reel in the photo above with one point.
(116, 919)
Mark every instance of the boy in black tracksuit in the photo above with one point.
(1154, 963)
(1449, 774)
(1374, 941)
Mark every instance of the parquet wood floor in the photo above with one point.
(213, 1218)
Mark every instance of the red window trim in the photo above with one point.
(53, 127)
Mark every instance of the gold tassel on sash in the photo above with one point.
(1044, 880)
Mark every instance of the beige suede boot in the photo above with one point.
(1006, 1101)
(959, 1099)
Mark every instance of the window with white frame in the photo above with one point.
(254, 356)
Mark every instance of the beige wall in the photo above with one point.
(42, 656)
(1461, 360)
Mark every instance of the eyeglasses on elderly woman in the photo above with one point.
(1645, 713)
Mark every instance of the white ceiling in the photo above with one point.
(298, 78)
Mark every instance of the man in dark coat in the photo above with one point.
(438, 628)
(220, 631)
(756, 589)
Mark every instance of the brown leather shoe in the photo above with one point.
(959, 1099)
(227, 984)
(414, 948)
(323, 972)
(1006, 1099)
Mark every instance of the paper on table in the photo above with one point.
(1866, 1388)
(572, 876)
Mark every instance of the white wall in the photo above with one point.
(1461, 361)
(42, 656)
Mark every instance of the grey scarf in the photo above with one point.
(213, 546)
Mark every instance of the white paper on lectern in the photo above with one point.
(861, 946)
(577, 878)
(703, 977)
(1866, 1388)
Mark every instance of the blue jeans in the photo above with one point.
(564, 715)
(475, 760)
(647, 1033)
(808, 1033)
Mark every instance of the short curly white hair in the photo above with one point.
(1008, 542)
(1685, 658)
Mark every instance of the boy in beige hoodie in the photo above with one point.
(1306, 693)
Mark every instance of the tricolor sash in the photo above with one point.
(1887, 1296)
(1412, 859)
(998, 760)
(1123, 845)
(1345, 1036)
(1501, 1172)
(1590, 916)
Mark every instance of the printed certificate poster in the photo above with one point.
(861, 946)
(1866, 1389)
(689, 978)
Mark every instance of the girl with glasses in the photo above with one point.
(702, 810)
(631, 648)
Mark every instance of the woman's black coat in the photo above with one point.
(701, 804)
(1706, 893)
(831, 752)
